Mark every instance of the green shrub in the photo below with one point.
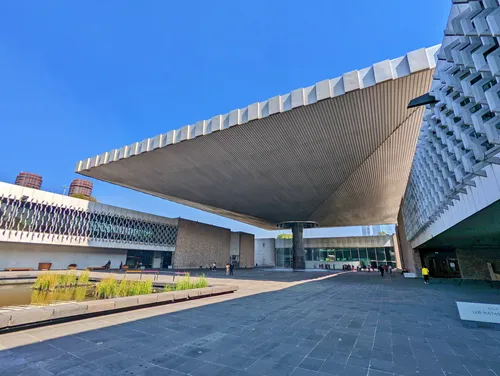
(83, 280)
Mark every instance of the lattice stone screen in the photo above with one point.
(18, 214)
(461, 132)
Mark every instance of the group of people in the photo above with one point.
(385, 269)
(229, 269)
(348, 267)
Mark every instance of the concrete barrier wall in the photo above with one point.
(34, 315)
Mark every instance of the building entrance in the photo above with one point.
(148, 259)
(441, 264)
(167, 260)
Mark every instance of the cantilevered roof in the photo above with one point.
(338, 152)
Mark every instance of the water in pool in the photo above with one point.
(22, 295)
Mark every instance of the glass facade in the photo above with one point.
(372, 257)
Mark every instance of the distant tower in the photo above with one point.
(27, 179)
(80, 186)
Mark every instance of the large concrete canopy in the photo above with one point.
(337, 153)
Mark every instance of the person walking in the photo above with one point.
(227, 268)
(425, 273)
(381, 269)
(231, 269)
(390, 269)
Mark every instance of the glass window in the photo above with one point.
(362, 254)
(323, 253)
(346, 255)
(331, 254)
(389, 253)
(380, 254)
(392, 254)
(338, 255)
(371, 254)
(309, 254)
(315, 254)
(280, 257)
(354, 254)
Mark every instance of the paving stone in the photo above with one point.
(60, 363)
(158, 371)
(30, 370)
(363, 325)
(167, 360)
(311, 363)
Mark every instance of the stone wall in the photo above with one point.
(473, 262)
(199, 244)
(28, 255)
(247, 253)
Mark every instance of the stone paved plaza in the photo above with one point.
(350, 324)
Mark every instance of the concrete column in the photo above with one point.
(299, 260)
(407, 257)
(397, 250)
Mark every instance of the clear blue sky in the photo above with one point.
(81, 78)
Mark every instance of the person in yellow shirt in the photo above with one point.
(425, 273)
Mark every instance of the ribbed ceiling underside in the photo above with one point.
(342, 161)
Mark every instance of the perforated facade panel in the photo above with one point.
(460, 134)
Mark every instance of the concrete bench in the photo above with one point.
(18, 269)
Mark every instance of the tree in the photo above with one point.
(83, 197)
(284, 236)
(383, 233)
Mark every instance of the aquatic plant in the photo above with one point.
(186, 283)
(83, 280)
(111, 288)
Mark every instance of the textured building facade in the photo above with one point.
(456, 173)
(460, 135)
(38, 226)
(211, 244)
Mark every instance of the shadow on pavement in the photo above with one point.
(348, 325)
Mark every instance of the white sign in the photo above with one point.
(479, 312)
(410, 275)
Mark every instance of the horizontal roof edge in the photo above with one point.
(412, 62)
